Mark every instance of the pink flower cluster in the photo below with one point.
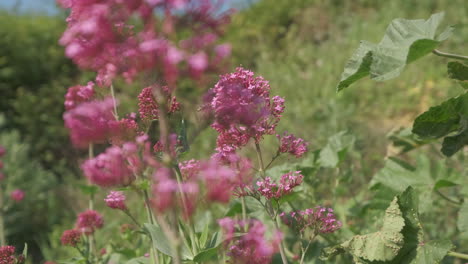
(78, 94)
(88, 221)
(252, 247)
(116, 200)
(242, 110)
(210, 181)
(17, 195)
(71, 237)
(90, 122)
(8, 256)
(148, 107)
(115, 167)
(272, 190)
(292, 145)
(321, 220)
(102, 36)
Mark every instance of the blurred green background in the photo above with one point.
(300, 46)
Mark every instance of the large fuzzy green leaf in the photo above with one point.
(404, 42)
(412, 250)
(381, 245)
(441, 121)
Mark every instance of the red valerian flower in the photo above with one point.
(243, 109)
(252, 247)
(116, 200)
(71, 237)
(292, 145)
(320, 219)
(90, 122)
(272, 190)
(88, 221)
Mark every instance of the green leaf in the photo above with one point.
(335, 150)
(162, 243)
(382, 245)
(397, 175)
(140, 260)
(441, 121)
(404, 42)
(159, 239)
(206, 255)
(25, 251)
(88, 189)
(405, 140)
(459, 72)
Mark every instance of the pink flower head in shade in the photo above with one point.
(90, 122)
(125, 129)
(320, 220)
(7, 255)
(243, 109)
(71, 237)
(167, 193)
(2, 151)
(78, 94)
(116, 200)
(113, 167)
(174, 145)
(17, 195)
(88, 221)
(272, 190)
(292, 145)
(252, 247)
(148, 106)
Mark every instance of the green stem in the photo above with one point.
(281, 246)
(273, 213)
(244, 211)
(458, 255)
(260, 160)
(153, 251)
(127, 212)
(273, 159)
(116, 115)
(84, 255)
(450, 55)
(447, 198)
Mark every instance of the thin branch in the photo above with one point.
(450, 55)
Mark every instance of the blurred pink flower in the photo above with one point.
(78, 94)
(111, 168)
(116, 200)
(2, 151)
(252, 247)
(90, 122)
(88, 221)
(17, 195)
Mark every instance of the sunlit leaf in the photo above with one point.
(404, 42)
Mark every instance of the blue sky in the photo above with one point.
(49, 7)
